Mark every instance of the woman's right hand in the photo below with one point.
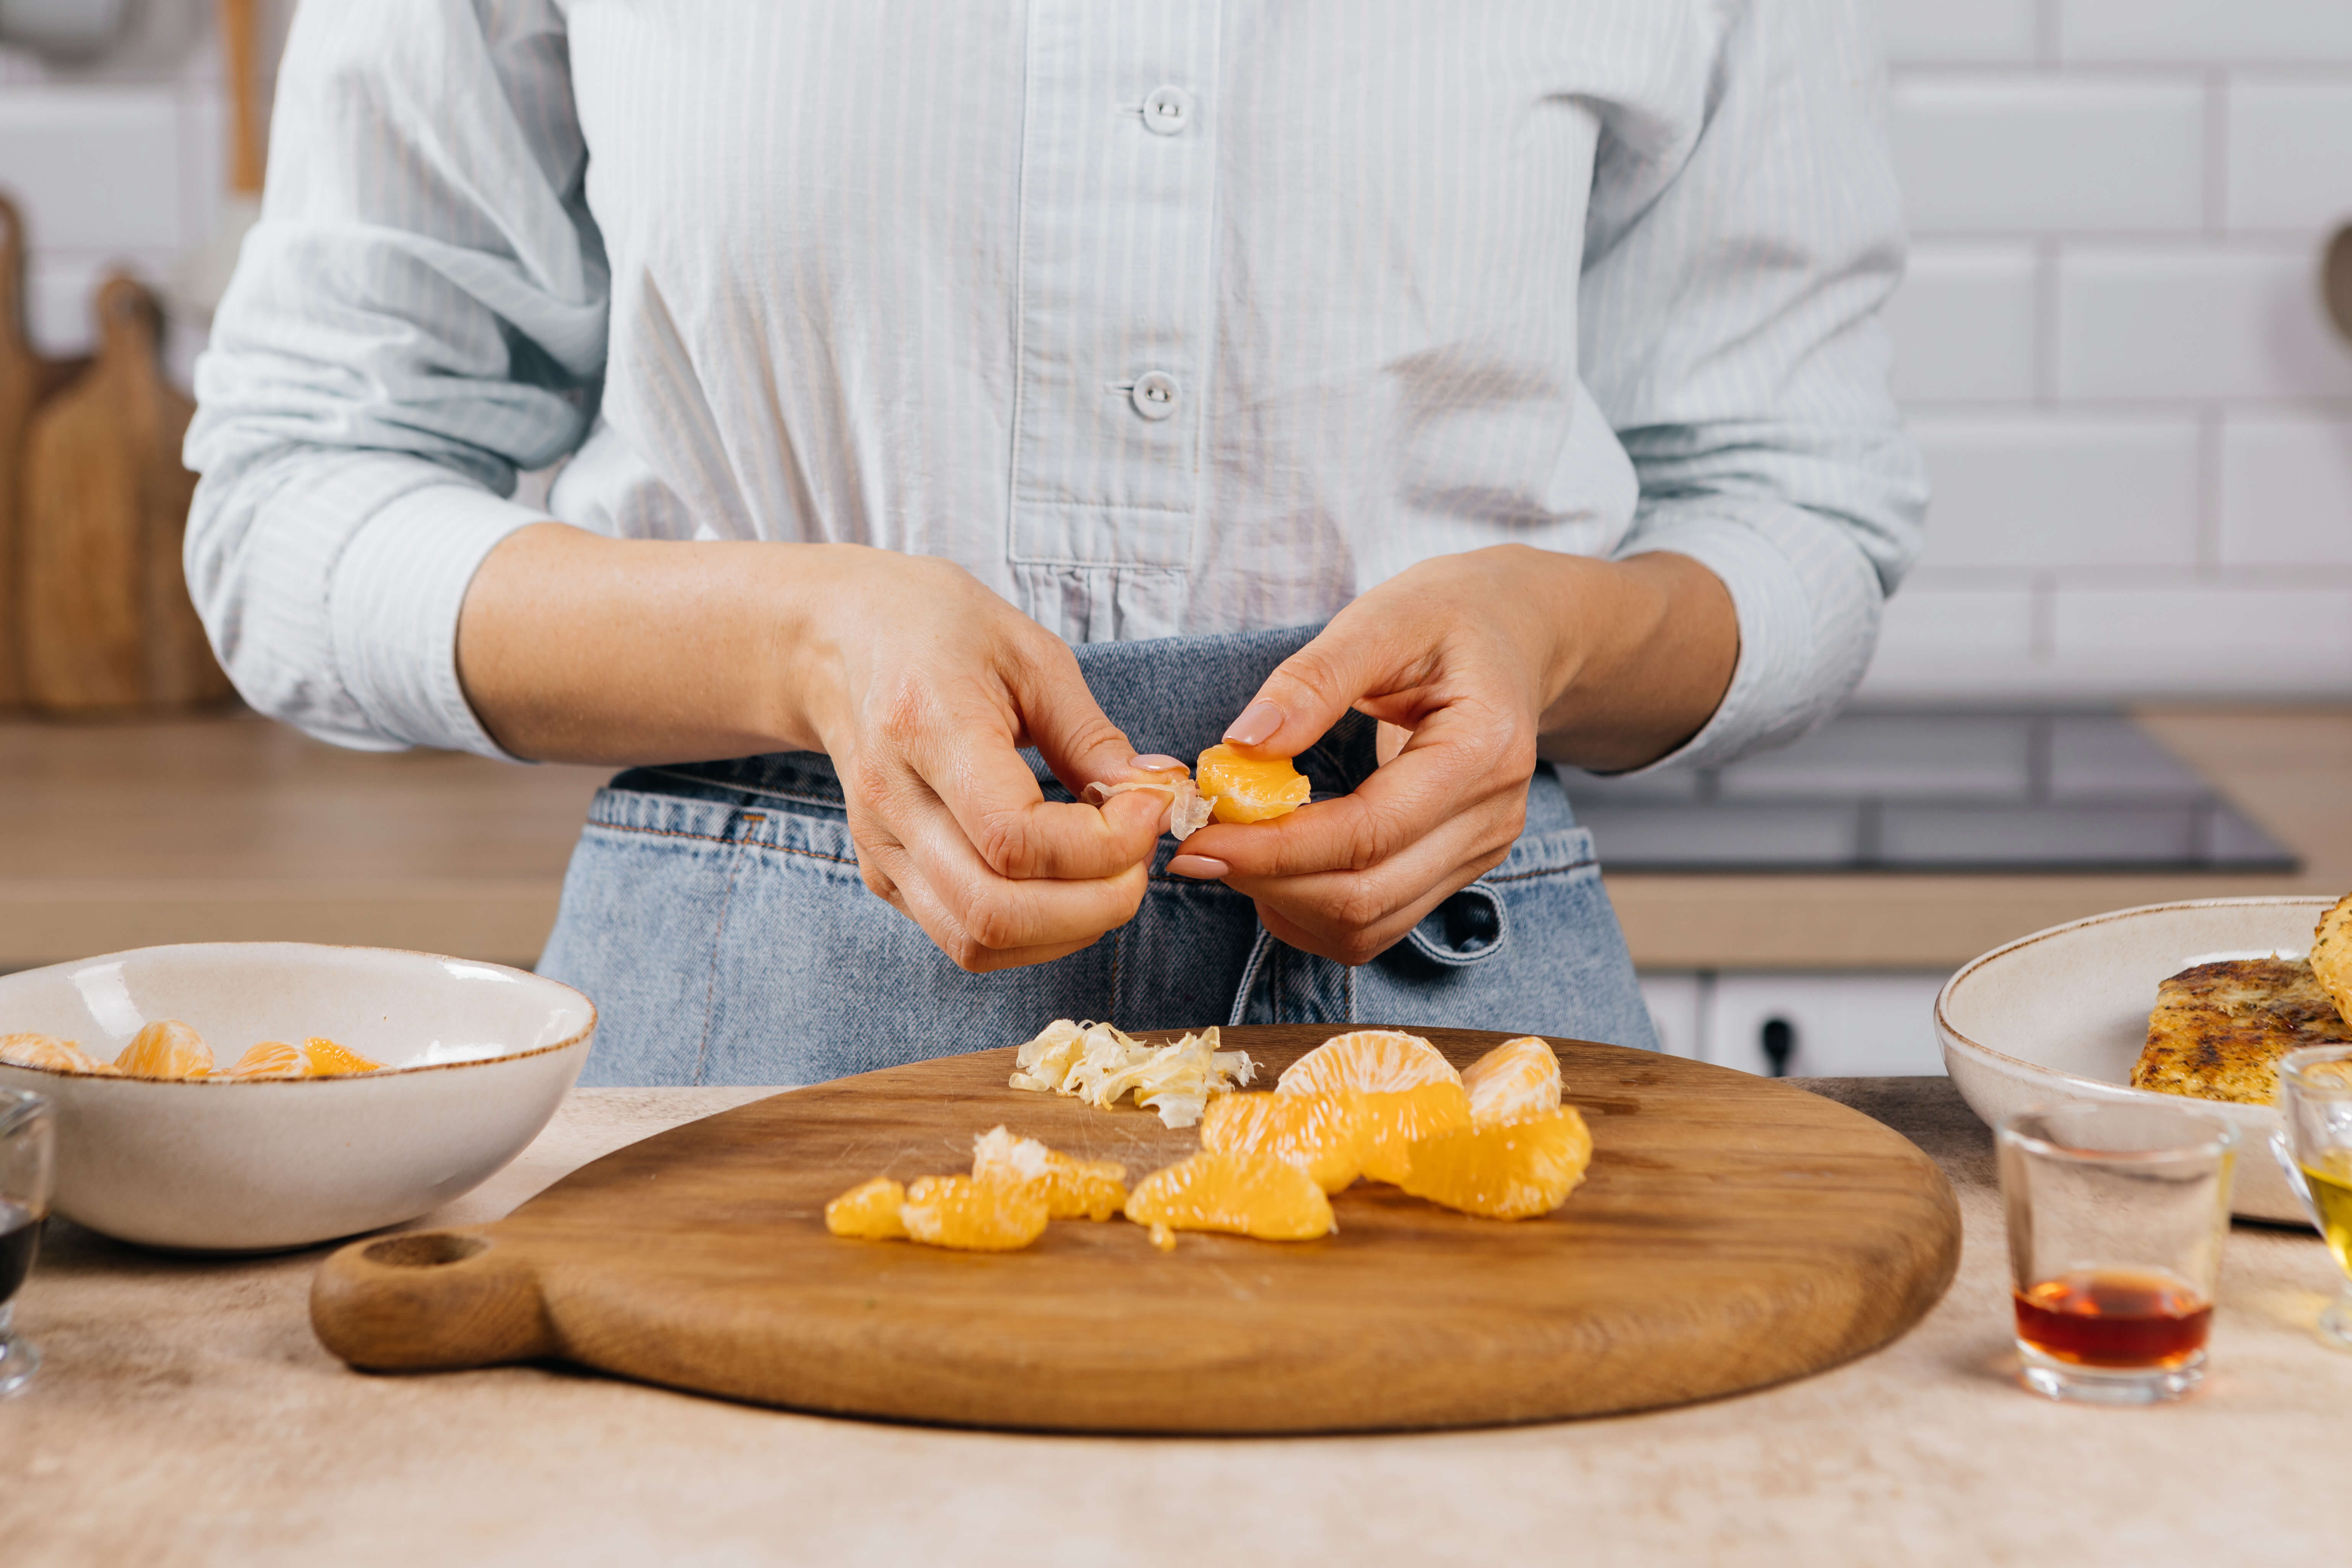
(919, 683)
(922, 686)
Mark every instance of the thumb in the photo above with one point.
(1308, 691)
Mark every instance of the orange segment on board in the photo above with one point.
(1073, 1188)
(166, 1048)
(1517, 1079)
(1371, 1061)
(1513, 1170)
(1316, 1133)
(329, 1059)
(1247, 1194)
(1390, 1124)
(1243, 789)
(868, 1211)
(973, 1217)
(271, 1058)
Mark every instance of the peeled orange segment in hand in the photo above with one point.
(1388, 1125)
(1517, 1078)
(1243, 789)
(973, 1217)
(272, 1058)
(868, 1211)
(1513, 1170)
(1246, 1194)
(166, 1048)
(1316, 1132)
(47, 1051)
(1371, 1061)
(1073, 1188)
(329, 1059)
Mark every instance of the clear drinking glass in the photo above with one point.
(2315, 1149)
(2116, 1216)
(25, 1164)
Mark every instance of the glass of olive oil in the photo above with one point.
(2315, 1093)
(2116, 1216)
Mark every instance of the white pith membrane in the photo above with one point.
(1188, 808)
(1097, 1063)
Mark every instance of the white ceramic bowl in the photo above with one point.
(480, 1056)
(2061, 1015)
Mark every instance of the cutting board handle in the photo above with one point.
(429, 1300)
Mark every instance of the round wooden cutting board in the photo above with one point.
(1733, 1232)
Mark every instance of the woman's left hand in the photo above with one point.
(1477, 657)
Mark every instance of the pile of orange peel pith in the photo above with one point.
(1494, 1141)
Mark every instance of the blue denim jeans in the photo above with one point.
(713, 911)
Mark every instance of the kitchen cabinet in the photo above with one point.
(1858, 1024)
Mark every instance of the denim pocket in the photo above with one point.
(1531, 947)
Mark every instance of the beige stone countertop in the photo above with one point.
(230, 827)
(187, 1416)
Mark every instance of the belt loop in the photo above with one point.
(1249, 976)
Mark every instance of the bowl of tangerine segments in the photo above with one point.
(255, 1096)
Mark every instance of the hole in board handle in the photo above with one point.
(426, 1249)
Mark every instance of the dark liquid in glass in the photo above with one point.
(20, 1238)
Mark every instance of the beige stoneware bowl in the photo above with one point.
(2061, 1016)
(478, 1055)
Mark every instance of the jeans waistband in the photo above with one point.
(1170, 695)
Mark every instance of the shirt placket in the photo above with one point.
(1116, 226)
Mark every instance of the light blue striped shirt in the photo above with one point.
(1159, 316)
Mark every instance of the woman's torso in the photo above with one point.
(884, 273)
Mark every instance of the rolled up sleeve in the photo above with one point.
(1729, 329)
(419, 315)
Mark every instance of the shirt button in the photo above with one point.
(1155, 395)
(1168, 111)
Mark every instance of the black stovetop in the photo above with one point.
(1933, 789)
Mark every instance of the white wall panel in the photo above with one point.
(2197, 323)
(2287, 491)
(94, 168)
(2015, 153)
(1949, 32)
(1966, 324)
(2222, 31)
(2290, 153)
(2198, 639)
(2061, 489)
(1938, 639)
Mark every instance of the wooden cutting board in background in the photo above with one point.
(108, 625)
(25, 378)
(1734, 1232)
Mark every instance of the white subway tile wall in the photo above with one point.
(2287, 491)
(1969, 319)
(2112, 351)
(2013, 153)
(2199, 32)
(2139, 424)
(2033, 489)
(2289, 152)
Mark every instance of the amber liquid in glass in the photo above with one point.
(2115, 1318)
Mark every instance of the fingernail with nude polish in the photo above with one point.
(1199, 867)
(1153, 762)
(1256, 725)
